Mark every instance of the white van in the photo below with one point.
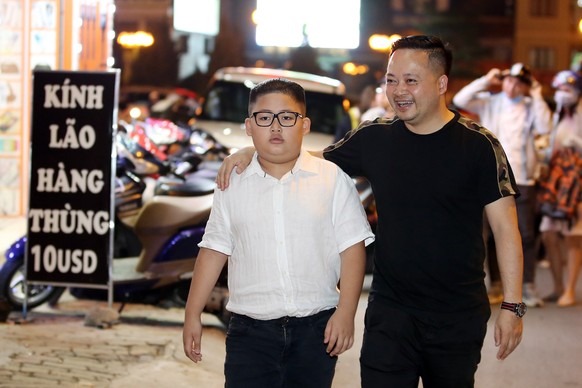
(225, 105)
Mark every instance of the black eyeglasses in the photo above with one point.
(285, 119)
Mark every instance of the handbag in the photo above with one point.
(560, 189)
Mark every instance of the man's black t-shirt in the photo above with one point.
(430, 192)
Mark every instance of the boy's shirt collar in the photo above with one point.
(306, 162)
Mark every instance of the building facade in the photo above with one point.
(47, 35)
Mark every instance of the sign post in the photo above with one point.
(72, 171)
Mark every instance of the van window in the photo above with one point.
(228, 101)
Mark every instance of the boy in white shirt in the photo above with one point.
(291, 227)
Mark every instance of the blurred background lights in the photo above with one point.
(135, 39)
(197, 16)
(379, 42)
(279, 24)
(354, 69)
(135, 113)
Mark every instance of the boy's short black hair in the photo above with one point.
(439, 53)
(278, 85)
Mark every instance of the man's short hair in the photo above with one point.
(439, 52)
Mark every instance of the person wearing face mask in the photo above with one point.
(567, 85)
(515, 115)
(563, 238)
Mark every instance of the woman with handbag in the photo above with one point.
(562, 232)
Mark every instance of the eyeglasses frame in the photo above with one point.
(276, 116)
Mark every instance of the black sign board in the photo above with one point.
(70, 213)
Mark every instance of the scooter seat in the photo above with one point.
(162, 217)
(189, 188)
(170, 213)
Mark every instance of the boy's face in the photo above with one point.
(276, 143)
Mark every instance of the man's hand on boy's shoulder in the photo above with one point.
(240, 159)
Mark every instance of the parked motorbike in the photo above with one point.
(155, 248)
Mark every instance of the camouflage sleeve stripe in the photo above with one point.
(503, 178)
(363, 124)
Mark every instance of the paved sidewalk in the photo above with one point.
(55, 348)
(145, 350)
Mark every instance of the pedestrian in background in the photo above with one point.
(434, 173)
(353, 116)
(563, 237)
(516, 115)
(381, 106)
(291, 227)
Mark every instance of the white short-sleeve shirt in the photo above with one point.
(284, 237)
